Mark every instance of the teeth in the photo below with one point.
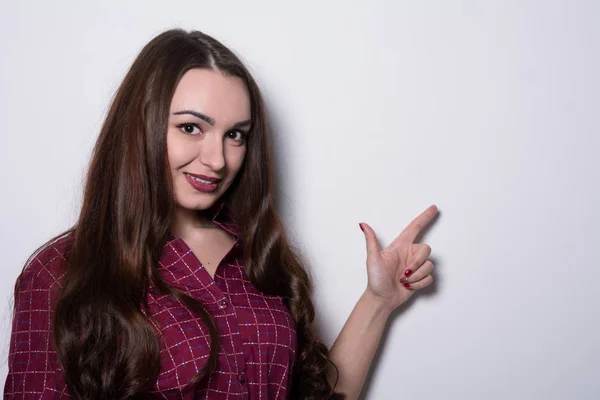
(200, 180)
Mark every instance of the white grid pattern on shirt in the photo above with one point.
(31, 373)
(240, 327)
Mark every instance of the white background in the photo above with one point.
(488, 109)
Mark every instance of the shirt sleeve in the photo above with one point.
(33, 369)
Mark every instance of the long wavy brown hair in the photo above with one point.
(104, 342)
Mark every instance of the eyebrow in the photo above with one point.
(210, 120)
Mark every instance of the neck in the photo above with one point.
(188, 223)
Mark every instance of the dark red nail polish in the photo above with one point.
(408, 272)
(361, 228)
(407, 285)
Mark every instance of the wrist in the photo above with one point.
(377, 304)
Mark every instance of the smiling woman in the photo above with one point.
(209, 121)
(177, 281)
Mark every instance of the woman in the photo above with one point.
(177, 281)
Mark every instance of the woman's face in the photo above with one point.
(209, 120)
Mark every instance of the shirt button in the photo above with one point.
(223, 304)
(242, 378)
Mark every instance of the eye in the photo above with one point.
(189, 129)
(237, 135)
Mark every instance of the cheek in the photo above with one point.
(177, 153)
(237, 160)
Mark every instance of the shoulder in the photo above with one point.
(43, 268)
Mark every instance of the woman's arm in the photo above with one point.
(354, 348)
(393, 275)
(33, 369)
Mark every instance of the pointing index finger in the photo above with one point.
(409, 234)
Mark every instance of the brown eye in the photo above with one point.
(189, 129)
(237, 135)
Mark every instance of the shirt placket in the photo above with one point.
(220, 307)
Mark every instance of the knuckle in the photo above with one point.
(426, 281)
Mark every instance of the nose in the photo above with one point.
(211, 152)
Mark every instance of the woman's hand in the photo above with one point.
(396, 271)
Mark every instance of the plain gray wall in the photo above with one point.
(488, 109)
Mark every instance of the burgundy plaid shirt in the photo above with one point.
(257, 333)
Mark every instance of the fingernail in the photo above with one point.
(408, 272)
(361, 228)
(407, 285)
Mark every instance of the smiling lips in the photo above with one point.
(202, 183)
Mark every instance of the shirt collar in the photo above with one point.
(221, 216)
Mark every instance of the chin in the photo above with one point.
(197, 204)
(202, 206)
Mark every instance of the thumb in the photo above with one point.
(372, 245)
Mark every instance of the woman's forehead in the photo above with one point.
(224, 98)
